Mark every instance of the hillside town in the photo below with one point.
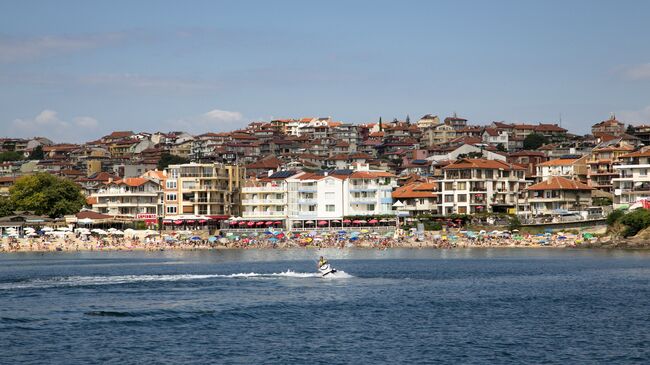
(311, 173)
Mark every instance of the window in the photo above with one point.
(171, 197)
(171, 210)
(371, 207)
(312, 208)
(462, 198)
(171, 184)
(449, 198)
(449, 186)
(329, 207)
(461, 186)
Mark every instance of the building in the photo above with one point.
(610, 126)
(418, 197)
(633, 182)
(266, 199)
(557, 195)
(570, 168)
(209, 189)
(472, 186)
(601, 164)
(129, 197)
(528, 159)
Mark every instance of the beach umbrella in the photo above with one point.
(342, 232)
(195, 238)
(242, 223)
(117, 232)
(47, 229)
(223, 240)
(273, 239)
(322, 223)
(260, 223)
(373, 221)
(178, 222)
(64, 229)
(347, 221)
(250, 224)
(212, 239)
(269, 223)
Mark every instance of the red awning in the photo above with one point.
(278, 222)
(373, 221)
(167, 222)
(251, 223)
(203, 221)
(259, 223)
(190, 221)
(322, 223)
(347, 221)
(269, 223)
(242, 223)
(178, 222)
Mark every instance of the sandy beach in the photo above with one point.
(283, 240)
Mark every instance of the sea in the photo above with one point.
(396, 306)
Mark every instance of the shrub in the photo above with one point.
(636, 221)
(614, 216)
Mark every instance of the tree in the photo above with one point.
(534, 141)
(501, 148)
(636, 221)
(614, 216)
(10, 156)
(167, 159)
(630, 129)
(380, 126)
(6, 206)
(37, 153)
(46, 194)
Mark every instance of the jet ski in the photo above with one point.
(326, 270)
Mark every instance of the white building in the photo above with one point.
(129, 197)
(478, 185)
(319, 198)
(633, 183)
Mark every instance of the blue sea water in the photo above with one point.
(475, 306)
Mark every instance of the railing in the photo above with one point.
(307, 201)
(263, 201)
(274, 214)
(257, 189)
(364, 187)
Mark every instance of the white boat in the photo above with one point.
(326, 270)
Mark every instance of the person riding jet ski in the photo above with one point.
(322, 261)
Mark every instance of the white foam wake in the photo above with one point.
(127, 279)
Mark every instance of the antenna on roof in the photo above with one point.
(560, 120)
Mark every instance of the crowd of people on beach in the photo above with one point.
(189, 240)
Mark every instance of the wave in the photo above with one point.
(68, 281)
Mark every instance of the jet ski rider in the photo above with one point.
(322, 261)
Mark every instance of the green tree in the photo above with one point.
(46, 194)
(37, 153)
(614, 217)
(10, 156)
(534, 141)
(6, 206)
(630, 129)
(167, 159)
(501, 148)
(636, 221)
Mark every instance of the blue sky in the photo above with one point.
(75, 70)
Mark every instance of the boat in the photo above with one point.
(326, 270)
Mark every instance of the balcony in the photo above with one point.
(262, 189)
(307, 189)
(269, 214)
(310, 201)
(263, 202)
(364, 187)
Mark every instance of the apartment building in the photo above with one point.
(266, 199)
(570, 168)
(558, 194)
(478, 185)
(601, 164)
(418, 197)
(633, 182)
(209, 189)
(129, 197)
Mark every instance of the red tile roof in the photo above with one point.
(559, 183)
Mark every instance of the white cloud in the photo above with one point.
(215, 120)
(641, 116)
(638, 72)
(15, 49)
(48, 124)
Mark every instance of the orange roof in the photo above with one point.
(91, 200)
(133, 181)
(416, 190)
(645, 153)
(479, 163)
(559, 162)
(370, 174)
(559, 183)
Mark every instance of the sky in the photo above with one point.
(76, 70)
